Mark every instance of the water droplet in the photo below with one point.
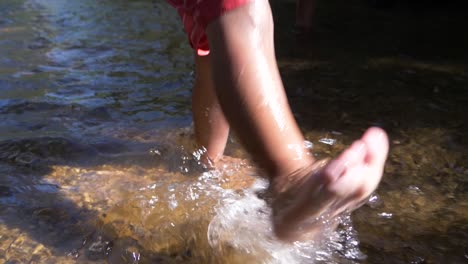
(98, 249)
(155, 152)
(374, 201)
(414, 190)
(135, 257)
(153, 200)
(172, 202)
(417, 260)
(308, 144)
(197, 154)
(386, 215)
(192, 194)
(74, 254)
(171, 187)
(328, 141)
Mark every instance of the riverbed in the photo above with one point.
(98, 161)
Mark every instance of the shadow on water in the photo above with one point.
(403, 68)
(37, 171)
(136, 197)
(65, 69)
(118, 198)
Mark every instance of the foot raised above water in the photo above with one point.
(304, 200)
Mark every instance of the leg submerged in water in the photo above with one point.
(307, 199)
(305, 10)
(211, 127)
(250, 92)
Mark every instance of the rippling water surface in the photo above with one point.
(97, 159)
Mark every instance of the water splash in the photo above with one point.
(374, 201)
(243, 221)
(328, 141)
(385, 215)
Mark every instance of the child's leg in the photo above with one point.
(251, 94)
(250, 90)
(304, 13)
(211, 127)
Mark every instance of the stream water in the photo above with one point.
(97, 156)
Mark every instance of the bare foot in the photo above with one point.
(303, 201)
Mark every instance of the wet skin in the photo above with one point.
(248, 88)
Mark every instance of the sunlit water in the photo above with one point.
(97, 158)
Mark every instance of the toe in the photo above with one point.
(376, 141)
(366, 159)
(354, 155)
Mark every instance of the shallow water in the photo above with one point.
(97, 157)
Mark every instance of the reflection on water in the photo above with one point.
(97, 155)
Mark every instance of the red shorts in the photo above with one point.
(197, 14)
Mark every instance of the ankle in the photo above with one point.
(285, 181)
